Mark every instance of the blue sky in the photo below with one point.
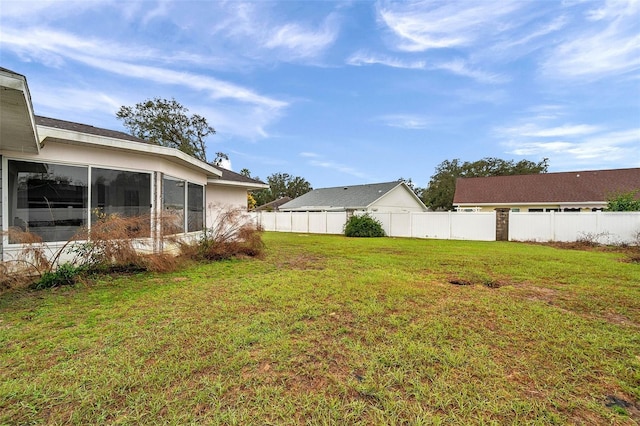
(345, 93)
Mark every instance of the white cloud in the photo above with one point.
(570, 144)
(405, 121)
(363, 58)
(121, 60)
(462, 68)
(342, 168)
(309, 155)
(301, 42)
(609, 44)
(456, 66)
(434, 25)
(533, 130)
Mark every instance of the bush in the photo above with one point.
(66, 274)
(363, 226)
(233, 234)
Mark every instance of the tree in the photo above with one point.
(442, 186)
(165, 122)
(220, 157)
(281, 185)
(624, 202)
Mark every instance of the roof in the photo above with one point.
(85, 128)
(231, 176)
(17, 127)
(68, 132)
(275, 204)
(567, 187)
(341, 197)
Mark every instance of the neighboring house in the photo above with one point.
(375, 197)
(57, 176)
(561, 192)
(273, 206)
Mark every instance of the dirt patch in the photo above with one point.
(490, 283)
(304, 262)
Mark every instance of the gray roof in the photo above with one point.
(341, 197)
(84, 128)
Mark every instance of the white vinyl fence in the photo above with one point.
(445, 226)
(602, 227)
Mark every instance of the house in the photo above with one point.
(58, 176)
(273, 205)
(376, 197)
(560, 192)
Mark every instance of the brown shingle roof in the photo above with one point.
(582, 186)
(235, 177)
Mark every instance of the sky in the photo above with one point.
(348, 92)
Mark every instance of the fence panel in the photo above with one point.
(300, 222)
(571, 226)
(473, 226)
(432, 225)
(620, 227)
(318, 223)
(401, 224)
(336, 222)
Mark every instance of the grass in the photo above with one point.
(328, 330)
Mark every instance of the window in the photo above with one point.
(48, 200)
(553, 210)
(195, 215)
(127, 194)
(173, 197)
(515, 210)
(536, 210)
(567, 209)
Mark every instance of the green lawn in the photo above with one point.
(330, 330)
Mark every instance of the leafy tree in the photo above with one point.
(442, 186)
(282, 185)
(220, 157)
(624, 202)
(165, 122)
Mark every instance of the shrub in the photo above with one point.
(363, 226)
(624, 202)
(66, 274)
(232, 234)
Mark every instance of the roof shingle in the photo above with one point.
(581, 186)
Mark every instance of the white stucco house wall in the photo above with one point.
(56, 176)
(386, 197)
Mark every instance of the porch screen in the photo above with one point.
(195, 217)
(173, 200)
(127, 194)
(48, 200)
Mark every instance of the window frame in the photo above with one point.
(89, 167)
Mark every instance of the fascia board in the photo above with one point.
(236, 184)
(77, 138)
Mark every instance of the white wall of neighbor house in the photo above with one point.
(397, 200)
